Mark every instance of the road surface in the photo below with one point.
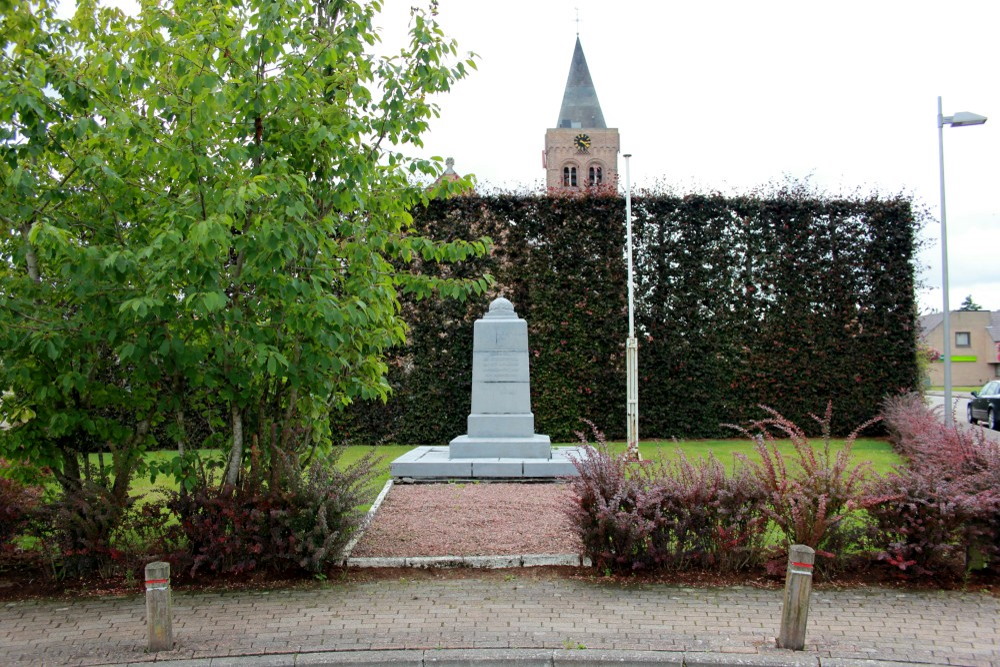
(960, 400)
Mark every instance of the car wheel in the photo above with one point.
(992, 419)
(968, 414)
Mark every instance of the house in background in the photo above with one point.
(975, 346)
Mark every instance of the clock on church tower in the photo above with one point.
(581, 150)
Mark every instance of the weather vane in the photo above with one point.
(577, 21)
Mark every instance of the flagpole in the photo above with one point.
(631, 345)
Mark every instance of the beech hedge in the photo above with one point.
(785, 300)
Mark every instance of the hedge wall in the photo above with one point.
(784, 300)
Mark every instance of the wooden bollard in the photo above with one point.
(161, 633)
(798, 586)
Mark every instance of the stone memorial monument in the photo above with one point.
(501, 439)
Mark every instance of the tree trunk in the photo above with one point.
(29, 256)
(123, 462)
(69, 477)
(177, 386)
(236, 452)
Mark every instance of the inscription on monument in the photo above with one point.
(499, 367)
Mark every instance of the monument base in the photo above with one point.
(434, 463)
(497, 447)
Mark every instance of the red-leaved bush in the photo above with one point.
(811, 496)
(278, 517)
(17, 501)
(78, 531)
(661, 514)
(940, 512)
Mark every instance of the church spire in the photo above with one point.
(580, 107)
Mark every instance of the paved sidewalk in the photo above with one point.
(421, 620)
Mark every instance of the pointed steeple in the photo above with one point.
(580, 107)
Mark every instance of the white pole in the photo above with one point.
(631, 345)
(946, 320)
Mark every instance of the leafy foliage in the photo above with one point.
(941, 511)
(811, 497)
(292, 519)
(778, 298)
(77, 531)
(665, 515)
(206, 220)
(969, 304)
(17, 503)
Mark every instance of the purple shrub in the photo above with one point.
(940, 512)
(919, 520)
(672, 515)
(279, 517)
(810, 497)
(78, 531)
(17, 502)
(614, 511)
(918, 433)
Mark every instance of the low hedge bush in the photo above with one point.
(940, 511)
(677, 514)
(17, 502)
(284, 519)
(936, 514)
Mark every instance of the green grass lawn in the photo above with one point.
(142, 485)
(878, 452)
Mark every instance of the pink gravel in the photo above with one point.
(475, 519)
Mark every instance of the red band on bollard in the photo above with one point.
(157, 581)
(802, 564)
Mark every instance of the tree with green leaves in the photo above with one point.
(207, 206)
(968, 304)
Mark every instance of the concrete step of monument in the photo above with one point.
(434, 463)
(500, 447)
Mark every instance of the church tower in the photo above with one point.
(581, 150)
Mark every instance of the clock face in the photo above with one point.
(582, 142)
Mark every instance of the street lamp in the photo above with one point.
(631, 345)
(961, 119)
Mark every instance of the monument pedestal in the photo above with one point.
(434, 463)
(472, 447)
(501, 441)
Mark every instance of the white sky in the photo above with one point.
(728, 95)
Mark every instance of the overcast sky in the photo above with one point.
(729, 95)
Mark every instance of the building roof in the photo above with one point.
(580, 107)
(994, 327)
(929, 323)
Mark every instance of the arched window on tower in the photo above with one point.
(595, 175)
(569, 177)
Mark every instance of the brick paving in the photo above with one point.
(511, 611)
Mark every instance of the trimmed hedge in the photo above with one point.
(781, 300)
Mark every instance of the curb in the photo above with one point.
(345, 555)
(529, 658)
(485, 562)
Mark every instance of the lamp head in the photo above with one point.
(965, 118)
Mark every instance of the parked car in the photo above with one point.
(985, 405)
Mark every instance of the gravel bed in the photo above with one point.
(475, 519)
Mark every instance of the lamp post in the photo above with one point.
(631, 345)
(961, 119)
